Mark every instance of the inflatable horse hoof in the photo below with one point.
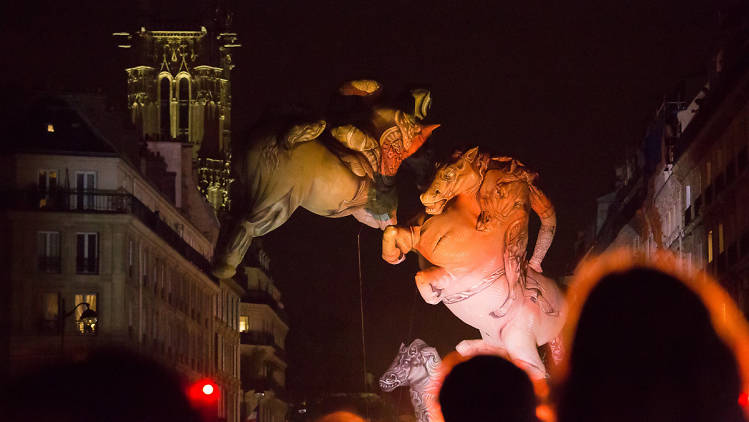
(223, 271)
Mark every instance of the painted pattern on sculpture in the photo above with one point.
(473, 239)
(417, 367)
(332, 172)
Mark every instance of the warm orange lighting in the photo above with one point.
(207, 389)
(727, 320)
(545, 413)
(340, 416)
(50, 127)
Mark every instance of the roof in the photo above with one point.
(53, 125)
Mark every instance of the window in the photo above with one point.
(244, 322)
(85, 184)
(710, 246)
(90, 299)
(50, 312)
(688, 197)
(144, 265)
(183, 85)
(165, 86)
(130, 258)
(87, 253)
(721, 241)
(48, 251)
(47, 180)
(47, 183)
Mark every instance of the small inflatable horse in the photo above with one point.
(473, 253)
(348, 169)
(417, 367)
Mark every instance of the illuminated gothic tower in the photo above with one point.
(179, 90)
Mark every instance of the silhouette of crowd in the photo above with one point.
(645, 340)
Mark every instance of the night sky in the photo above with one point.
(562, 86)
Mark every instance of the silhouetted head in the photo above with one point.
(340, 416)
(112, 386)
(487, 388)
(645, 349)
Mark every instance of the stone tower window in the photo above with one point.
(183, 92)
(164, 106)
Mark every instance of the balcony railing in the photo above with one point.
(49, 264)
(263, 384)
(87, 265)
(257, 338)
(265, 298)
(261, 338)
(99, 201)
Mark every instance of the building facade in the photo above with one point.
(85, 228)
(263, 328)
(687, 188)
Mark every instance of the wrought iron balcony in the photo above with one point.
(87, 265)
(103, 202)
(257, 337)
(265, 298)
(263, 384)
(261, 338)
(50, 264)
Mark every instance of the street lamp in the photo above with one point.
(88, 320)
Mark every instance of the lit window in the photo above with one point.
(50, 311)
(50, 127)
(244, 322)
(47, 179)
(710, 246)
(89, 298)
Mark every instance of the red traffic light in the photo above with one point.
(204, 390)
(204, 398)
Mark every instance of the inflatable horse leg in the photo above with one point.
(523, 351)
(256, 225)
(239, 241)
(468, 348)
(398, 241)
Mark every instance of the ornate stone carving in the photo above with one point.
(416, 366)
(474, 254)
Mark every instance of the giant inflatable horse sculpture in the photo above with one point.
(417, 367)
(348, 169)
(473, 253)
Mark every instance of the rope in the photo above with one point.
(409, 338)
(361, 317)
